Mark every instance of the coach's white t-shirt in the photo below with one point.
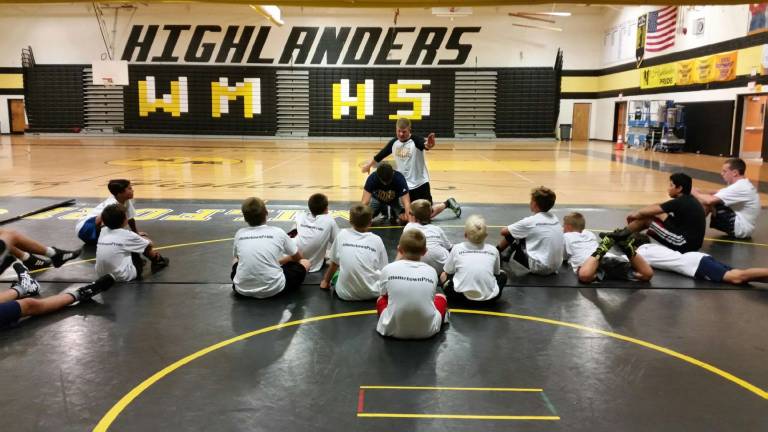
(410, 162)
(316, 233)
(258, 250)
(130, 211)
(410, 311)
(437, 244)
(581, 245)
(360, 256)
(743, 199)
(113, 253)
(474, 268)
(543, 236)
(663, 258)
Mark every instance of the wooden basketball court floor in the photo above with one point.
(177, 351)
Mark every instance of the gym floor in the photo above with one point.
(177, 351)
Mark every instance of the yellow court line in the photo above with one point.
(456, 416)
(497, 389)
(126, 400)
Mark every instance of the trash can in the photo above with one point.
(565, 131)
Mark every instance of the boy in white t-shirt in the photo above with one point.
(89, 227)
(315, 231)
(266, 261)
(119, 250)
(437, 242)
(359, 256)
(409, 307)
(696, 265)
(473, 270)
(535, 242)
(735, 208)
(592, 260)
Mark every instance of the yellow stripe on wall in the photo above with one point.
(576, 84)
(11, 81)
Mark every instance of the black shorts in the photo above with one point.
(421, 192)
(668, 235)
(10, 312)
(711, 269)
(723, 219)
(294, 276)
(614, 269)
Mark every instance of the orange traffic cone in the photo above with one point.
(619, 143)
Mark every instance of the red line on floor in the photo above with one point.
(360, 400)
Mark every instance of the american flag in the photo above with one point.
(662, 25)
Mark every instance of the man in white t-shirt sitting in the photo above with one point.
(437, 242)
(592, 260)
(357, 257)
(734, 208)
(696, 265)
(119, 250)
(473, 271)
(88, 228)
(535, 242)
(316, 231)
(266, 261)
(409, 306)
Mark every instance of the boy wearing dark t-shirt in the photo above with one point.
(387, 189)
(678, 224)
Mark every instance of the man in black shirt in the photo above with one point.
(678, 224)
(386, 189)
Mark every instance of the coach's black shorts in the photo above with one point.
(421, 192)
(723, 219)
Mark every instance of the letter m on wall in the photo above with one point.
(222, 93)
(175, 103)
(342, 100)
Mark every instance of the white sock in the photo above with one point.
(24, 256)
(49, 252)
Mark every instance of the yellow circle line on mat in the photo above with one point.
(126, 400)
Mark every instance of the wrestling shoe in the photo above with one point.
(26, 286)
(61, 256)
(452, 204)
(35, 262)
(605, 245)
(619, 234)
(159, 262)
(5, 258)
(630, 245)
(87, 292)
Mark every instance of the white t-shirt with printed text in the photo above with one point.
(130, 211)
(315, 236)
(258, 250)
(437, 244)
(474, 268)
(743, 199)
(581, 245)
(410, 312)
(113, 253)
(360, 256)
(410, 162)
(544, 242)
(663, 258)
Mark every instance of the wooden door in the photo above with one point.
(581, 121)
(18, 119)
(752, 126)
(621, 121)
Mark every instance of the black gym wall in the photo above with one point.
(709, 127)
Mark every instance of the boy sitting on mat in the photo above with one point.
(33, 254)
(535, 242)
(119, 250)
(357, 257)
(409, 307)
(592, 260)
(89, 227)
(473, 270)
(266, 261)
(437, 242)
(316, 231)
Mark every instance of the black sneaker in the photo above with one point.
(619, 234)
(452, 204)
(159, 262)
(605, 245)
(505, 255)
(35, 262)
(63, 256)
(87, 292)
(5, 259)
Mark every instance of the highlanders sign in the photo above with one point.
(428, 46)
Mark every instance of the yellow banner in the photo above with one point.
(703, 71)
(725, 66)
(658, 76)
(685, 72)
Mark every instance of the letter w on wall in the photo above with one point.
(222, 93)
(175, 103)
(363, 102)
